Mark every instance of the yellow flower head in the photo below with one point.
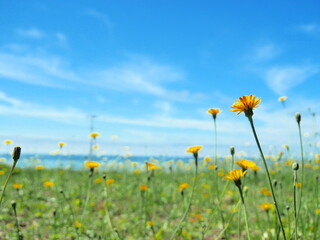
(299, 185)
(183, 186)
(17, 186)
(91, 164)
(235, 175)
(214, 112)
(137, 171)
(318, 211)
(8, 142)
(266, 206)
(2, 172)
(61, 144)
(207, 159)
(282, 99)
(194, 149)
(110, 181)
(245, 164)
(151, 166)
(39, 167)
(94, 135)
(48, 184)
(95, 147)
(255, 168)
(246, 104)
(212, 166)
(150, 223)
(143, 188)
(98, 180)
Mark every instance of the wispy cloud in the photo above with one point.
(100, 16)
(310, 28)
(31, 33)
(282, 78)
(265, 52)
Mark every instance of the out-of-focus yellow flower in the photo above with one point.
(94, 135)
(110, 181)
(318, 160)
(170, 162)
(188, 167)
(48, 184)
(307, 165)
(299, 185)
(98, 180)
(267, 193)
(17, 185)
(95, 147)
(150, 223)
(134, 164)
(61, 144)
(245, 164)
(246, 104)
(282, 99)
(180, 163)
(151, 166)
(183, 186)
(91, 164)
(199, 217)
(255, 168)
(137, 171)
(194, 149)
(77, 224)
(214, 112)
(220, 174)
(277, 164)
(318, 211)
(272, 172)
(289, 162)
(143, 188)
(207, 159)
(1, 172)
(39, 167)
(315, 167)
(262, 190)
(8, 142)
(212, 166)
(114, 137)
(266, 206)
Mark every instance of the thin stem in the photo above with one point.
(190, 201)
(7, 181)
(268, 175)
(295, 232)
(245, 212)
(302, 171)
(215, 142)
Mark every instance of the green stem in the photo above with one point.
(245, 212)
(215, 142)
(268, 175)
(190, 201)
(295, 232)
(302, 171)
(7, 181)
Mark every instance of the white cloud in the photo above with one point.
(265, 52)
(281, 79)
(310, 28)
(100, 16)
(31, 33)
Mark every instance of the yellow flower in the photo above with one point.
(214, 112)
(1, 172)
(255, 168)
(48, 184)
(282, 99)
(245, 164)
(235, 175)
(61, 144)
(137, 171)
(95, 147)
(98, 180)
(39, 167)
(220, 174)
(78, 225)
(150, 223)
(211, 167)
(8, 142)
(151, 166)
(199, 217)
(91, 164)
(94, 135)
(315, 167)
(318, 211)
(170, 162)
(266, 206)
(134, 164)
(246, 104)
(143, 188)
(17, 186)
(289, 162)
(263, 190)
(110, 181)
(307, 165)
(207, 159)
(194, 149)
(183, 186)
(299, 185)
(267, 193)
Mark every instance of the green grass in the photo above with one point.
(46, 213)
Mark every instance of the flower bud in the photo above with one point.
(16, 153)
(295, 166)
(298, 117)
(232, 150)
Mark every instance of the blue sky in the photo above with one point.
(150, 70)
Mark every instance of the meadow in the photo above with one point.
(271, 197)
